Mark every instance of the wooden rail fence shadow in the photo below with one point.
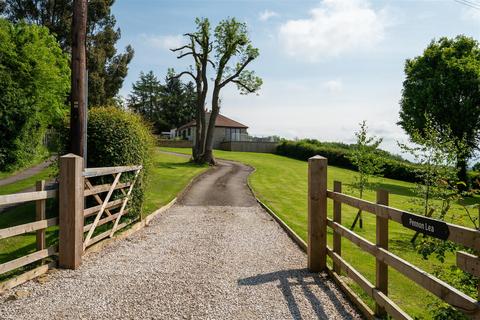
(317, 248)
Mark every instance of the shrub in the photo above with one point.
(474, 178)
(34, 83)
(337, 155)
(120, 138)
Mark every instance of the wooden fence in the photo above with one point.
(39, 226)
(79, 227)
(318, 250)
(104, 211)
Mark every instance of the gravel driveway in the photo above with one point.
(224, 260)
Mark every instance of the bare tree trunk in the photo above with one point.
(208, 155)
(198, 130)
(203, 132)
(79, 69)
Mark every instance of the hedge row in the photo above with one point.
(120, 138)
(337, 155)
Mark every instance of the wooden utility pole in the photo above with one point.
(79, 70)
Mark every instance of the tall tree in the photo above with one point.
(145, 99)
(34, 83)
(178, 101)
(199, 48)
(443, 85)
(107, 69)
(233, 51)
(165, 106)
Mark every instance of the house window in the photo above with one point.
(189, 131)
(232, 134)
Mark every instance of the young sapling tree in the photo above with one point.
(365, 157)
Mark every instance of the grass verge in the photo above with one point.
(46, 174)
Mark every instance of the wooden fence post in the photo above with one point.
(317, 214)
(40, 206)
(337, 217)
(382, 241)
(71, 203)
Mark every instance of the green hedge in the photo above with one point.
(337, 155)
(120, 138)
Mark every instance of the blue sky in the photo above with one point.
(326, 65)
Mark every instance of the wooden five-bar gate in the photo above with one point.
(318, 250)
(91, 204)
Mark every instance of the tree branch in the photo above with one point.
(184, 73)
(186, 54)
(181, 48)
(195, 37)
(243, 86)
(211, 62)
(231, 78)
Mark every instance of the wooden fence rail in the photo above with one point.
(318, 249)
(104, 210)
(39, 226)
(78, 226)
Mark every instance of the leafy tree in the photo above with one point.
(34, 82)
(178, 101)
(443, 85)
(476, 166)
(145, 99)
(365, 158)
(107, 69)
(233, 51)
(165, 106)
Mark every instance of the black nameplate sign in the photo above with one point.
(430, 227)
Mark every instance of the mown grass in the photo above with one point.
(281, 183)
(46, 174)
(168, 177)
(39, 158)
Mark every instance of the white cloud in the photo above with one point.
(472, 14)
(333, 28)
(163, 42)
(333, 86)
(267, 14)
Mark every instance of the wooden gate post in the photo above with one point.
(317, 214)
(382, 242)
(71, 188)
(40, 206)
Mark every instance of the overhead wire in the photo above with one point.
(469, 3)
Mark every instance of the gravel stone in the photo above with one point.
(192, 262)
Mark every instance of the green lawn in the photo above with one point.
(45, 174)
(39, 158)
(168, 177)
(281, 183)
